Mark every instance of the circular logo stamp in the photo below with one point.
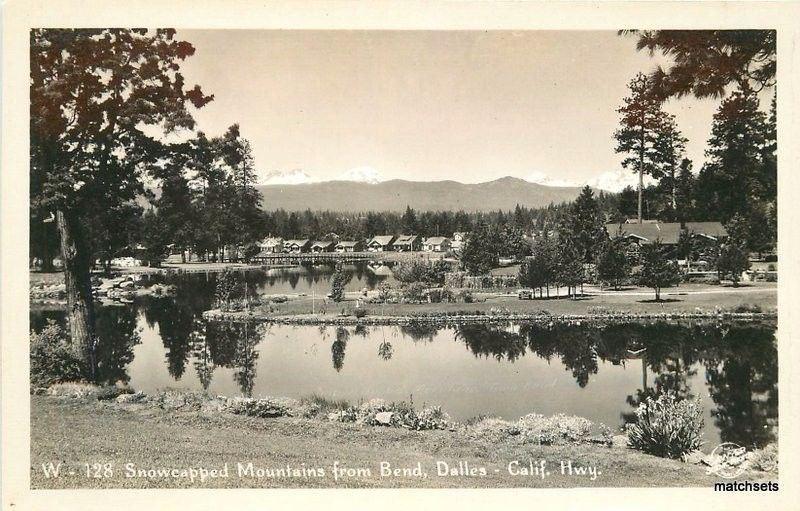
(727, 460)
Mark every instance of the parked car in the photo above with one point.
(525, 294)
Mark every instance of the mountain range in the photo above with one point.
(394, 195)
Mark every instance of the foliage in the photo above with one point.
(418, 269)
(666, 426)
(338, 282)
(584, 224)
(612, 262)
(155, 238)
(480, 253)
(657, 270)
(732, 261)
(53, 358)
(705, 62)
(415, 292)
(641, 124)
(360, 313)
(229, 286)
(99, 101)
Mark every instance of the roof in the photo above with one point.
(272, 241)
(711, 229)
(297, 242)
(322, 243)
(349, 243)
(382, 240)
(406, 240)
(667, 232)
(436, 240)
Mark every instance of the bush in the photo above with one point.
(415, 292)
(229, 288)
(53, 358)
(667, 427)
(441, 294)
(360, 313)
(465, 295)
(748, 307)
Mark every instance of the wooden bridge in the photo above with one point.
(314, 258)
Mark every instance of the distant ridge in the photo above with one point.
(394, 195)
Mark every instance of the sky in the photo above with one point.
(469, 106)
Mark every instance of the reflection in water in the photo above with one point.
(338, 347)
(504, 369)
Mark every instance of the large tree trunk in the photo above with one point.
(80, 309)
(641, 187)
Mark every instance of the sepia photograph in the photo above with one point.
(382, 258)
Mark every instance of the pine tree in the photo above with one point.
(734, 169)
(657, 270)
(612, 262)
(640, 124)
(670, 147)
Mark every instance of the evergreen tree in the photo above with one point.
(91, 92)
(585, 224)
(670, 147)
(612, 262)
(409, 220)
(706, 62)
(657, 270)
(480, 252)
(641, 123)
(734, 170)
(733, 260)
(684, 191)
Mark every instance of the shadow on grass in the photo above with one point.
(662, 300)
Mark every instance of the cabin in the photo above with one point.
(704, 235)
(297, 246)
(271, 246)
(457, 243)
(319, 247)
(437, 244)
(409, 243)
(381, 244)
(349, 246)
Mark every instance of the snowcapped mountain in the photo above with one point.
(361, 175)
(543, 179)
(287, 177)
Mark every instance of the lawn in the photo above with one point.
(685, 298)
(76, 432)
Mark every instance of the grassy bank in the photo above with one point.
(77, 431)
(685, 299)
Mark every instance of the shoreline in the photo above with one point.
(448, 319)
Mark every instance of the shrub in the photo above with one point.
(384, 291)
(229, 287)
(53, 358)
(747, 307)
(667, 427)
(360, 313)
(441, 294)
(465, 295)
(415, 292)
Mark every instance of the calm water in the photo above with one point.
(507, 371)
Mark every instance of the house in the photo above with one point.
(271, 246)
(322, 246)
(647, 233)
(458, 240)
(381, 244)
(437, 244)
(705, 235)
(713, 231)
(409, 243)
(297, 246)
(350, 246)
